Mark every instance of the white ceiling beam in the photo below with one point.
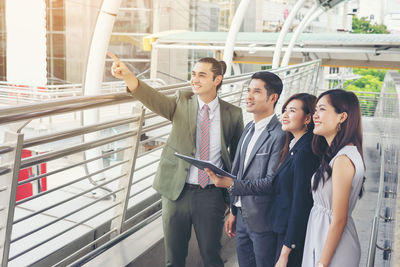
(332, 50)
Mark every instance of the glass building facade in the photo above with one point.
(56, 41)
(3, 44)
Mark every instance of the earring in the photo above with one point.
(338, 127)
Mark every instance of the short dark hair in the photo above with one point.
(217, 67)
(273, 84)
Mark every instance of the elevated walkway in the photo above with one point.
(86, 215)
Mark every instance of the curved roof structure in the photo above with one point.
(335, 49)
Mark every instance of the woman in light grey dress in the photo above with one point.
(331, 238)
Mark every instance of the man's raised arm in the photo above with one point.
(120, 70)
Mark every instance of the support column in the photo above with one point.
(312, 14)
(95, 71)
(99, 45)
(286, 26)
(233, 31)
(156, 29)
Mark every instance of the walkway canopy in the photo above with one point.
(335, 49)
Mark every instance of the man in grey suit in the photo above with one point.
(203, 126)
(254, 166)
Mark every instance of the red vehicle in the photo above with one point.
(34, 187)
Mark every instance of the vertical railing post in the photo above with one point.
(8, 191)
(396, 256)
(129, 169)
(375, 223)
(312, 14)
(285, 29)
(232, 34)
(317, 68)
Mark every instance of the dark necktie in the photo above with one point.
(244, 149)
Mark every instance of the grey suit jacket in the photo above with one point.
(181, 109)
(255, 185)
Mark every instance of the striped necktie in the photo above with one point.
(203, 178)
(244, 150)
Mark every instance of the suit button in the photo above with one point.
(293, 246)
(291, 153)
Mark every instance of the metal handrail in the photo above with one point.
(63, 232)
(375, 222)
(19, 202)
(54, 107)
(91, 255)
(72, 198)
(373, 243)
(41, 158)
(89, 245)
(35, 178)
(69, 213)
(77, 131)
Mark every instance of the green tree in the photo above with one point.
(367, 83)
(363, 25)
(372, 79)
(366, 88)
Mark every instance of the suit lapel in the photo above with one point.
(289, 156)
(236, 160)
(225, 122)
(192, 117)
(261, 139)
(286, 160)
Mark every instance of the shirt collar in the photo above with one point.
(292, 143)
(213, 105)
(263, 123)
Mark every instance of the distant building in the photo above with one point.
(3, 59)
(70, 25)
(204, 16)
(392, 16)
(381, 12)
(275, 13)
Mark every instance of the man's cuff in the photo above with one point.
(234, 210)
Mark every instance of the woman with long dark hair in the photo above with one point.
(292, 183)
(331, 238)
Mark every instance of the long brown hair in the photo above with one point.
(350, 132)
(308, 105)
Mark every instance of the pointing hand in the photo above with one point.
(120, 70)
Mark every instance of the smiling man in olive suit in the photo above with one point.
(207, 128)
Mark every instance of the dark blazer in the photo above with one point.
(293, 200)
(181, 109)
(258, 176)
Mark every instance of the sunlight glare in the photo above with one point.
(26, 42)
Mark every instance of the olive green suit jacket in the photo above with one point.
(182, 109)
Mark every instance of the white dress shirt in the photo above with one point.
(292, 143)
(215, 139)
(258, 129)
